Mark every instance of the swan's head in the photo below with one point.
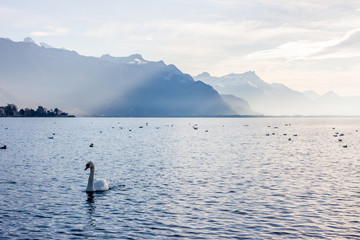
(90, 165)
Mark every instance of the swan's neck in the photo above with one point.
(90, 186)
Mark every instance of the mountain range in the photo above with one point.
(34, 74)
(278, 99)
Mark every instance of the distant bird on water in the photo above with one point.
(3, 147)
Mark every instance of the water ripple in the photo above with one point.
(168, 181)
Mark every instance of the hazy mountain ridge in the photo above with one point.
(268, 99)
(35, 73)
(238, 104)
(278, 99)
(105, 86)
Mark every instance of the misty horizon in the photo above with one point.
(248, 93)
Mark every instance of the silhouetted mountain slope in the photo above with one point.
(171, 98)
(106, 86)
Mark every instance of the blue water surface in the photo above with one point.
(232, 178)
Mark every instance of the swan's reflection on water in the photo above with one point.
(90, 198)
(91, 209)
(92, 202)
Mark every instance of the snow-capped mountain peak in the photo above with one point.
(42, 44)
(30, 40)
(132, 59)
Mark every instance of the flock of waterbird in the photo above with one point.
(337, 134)
(130, 129)
(195, 126)
(272, 133)
(340, 136)
(284, 134)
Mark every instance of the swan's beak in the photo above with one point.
(86, 168)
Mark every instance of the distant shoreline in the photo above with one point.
(66, 115)
(69, 116)
(229, 116)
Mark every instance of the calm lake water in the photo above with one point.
(226, 180)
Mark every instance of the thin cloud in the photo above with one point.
(292, 50)
(347, 46)
(50, 31)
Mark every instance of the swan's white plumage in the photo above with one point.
(95, 185)
(101, 185)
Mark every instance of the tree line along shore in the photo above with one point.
(11, 110)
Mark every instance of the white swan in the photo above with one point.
(99, 184)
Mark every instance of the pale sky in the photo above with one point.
(306, 45)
